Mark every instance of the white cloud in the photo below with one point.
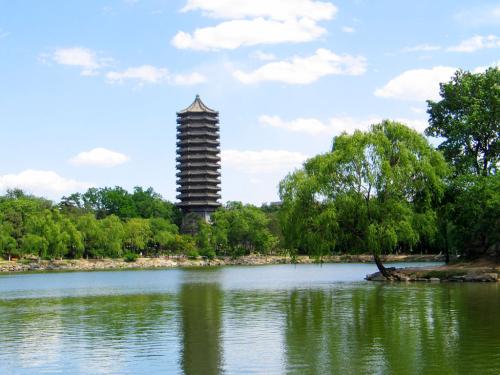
(39, 182)
(143, 74)
(482, 69)
(348, 29)
(249, 23)
(305, 70)
(417, 84)
(262, 161)
(99, 157)
(417, 124)
(84, 58)
(476, 43)
(422, 48)
(188, 79)
(310, 126)
(263, 56)
(274, 9)
(236, 33)
(334, 126)
(152, 75)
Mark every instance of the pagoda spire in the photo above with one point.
(198, 106)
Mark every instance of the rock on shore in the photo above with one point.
(481, 271)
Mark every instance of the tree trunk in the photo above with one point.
(380, 266)
(446, 249)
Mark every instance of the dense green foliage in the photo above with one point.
(388, 190)
(119, 202)
(468, 118)
(91, 225)
(375, 191)
(111, 222)
(474, 215)
(242, 229)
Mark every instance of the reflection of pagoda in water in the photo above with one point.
(198, 160)
(201, 328)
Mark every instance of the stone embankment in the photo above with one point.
(181, 261)
(480, 271)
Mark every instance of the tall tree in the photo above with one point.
(468, 118)
(475, 216)
(375, 191)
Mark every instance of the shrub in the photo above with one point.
(130, 257)
(193, 254)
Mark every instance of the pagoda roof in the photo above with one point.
(197, 107)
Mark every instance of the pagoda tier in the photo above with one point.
(198, 159)
(187, 150)
(198, 173)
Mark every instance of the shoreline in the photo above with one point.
(484, 270)
(76, 265)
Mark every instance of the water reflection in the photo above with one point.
(200, 306)
(212, 323)
(88, 335)
(386, 329)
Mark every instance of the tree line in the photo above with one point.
(111, 222)
(388, 189)
(381, 191)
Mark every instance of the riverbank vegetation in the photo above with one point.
(382, 191)
(388, 189)
(113, 223)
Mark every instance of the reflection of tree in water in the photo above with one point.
(81, 329)
(387, 329)
(201, 326)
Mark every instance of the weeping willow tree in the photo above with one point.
(375, 191)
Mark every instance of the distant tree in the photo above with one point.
(137, 234)
(75, 241)
(15, 194)
(204, 240)
(143, 203)
(149, 204)
(90, 229)
(61, 235)
(239, 228)
(468, 119)
(163, 235)
(93, 202)
(117, 201)
(32, 244)
(8, 244)
(111, 236)
(72, 204)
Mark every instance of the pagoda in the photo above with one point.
(198, 160)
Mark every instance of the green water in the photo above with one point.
(283, 319)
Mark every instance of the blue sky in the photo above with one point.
(89, 89)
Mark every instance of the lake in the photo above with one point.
(280, 319)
